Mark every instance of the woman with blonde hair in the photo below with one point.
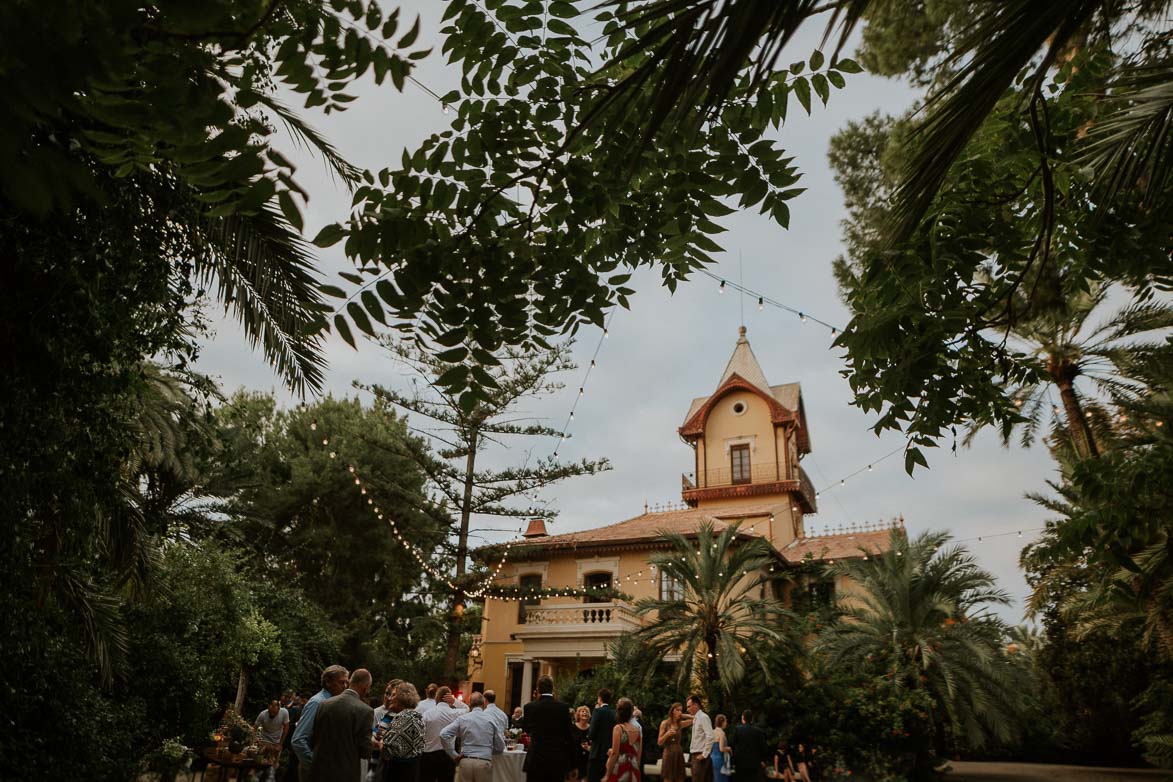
(581, 750)
(672, 765)
(402, 734)
(721, 754)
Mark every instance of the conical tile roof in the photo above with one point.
(744, 363)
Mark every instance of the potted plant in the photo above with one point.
(171, 758)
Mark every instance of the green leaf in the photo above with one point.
(454, 355)
(454, 377)
(332, 290)
(343, 329)
(836, 78)
(848, 66)
(409, 37)
(819, 81)
(802, 89)
(330, 235)
(359, 316)
(371, 303)
(913, 457)
(816, 61)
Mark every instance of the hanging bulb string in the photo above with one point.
(763, 300)
(866, 468)
(983, 538)
(418, 554)
(564, 434)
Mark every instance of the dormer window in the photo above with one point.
(739, 463)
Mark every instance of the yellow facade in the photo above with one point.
(748, 439)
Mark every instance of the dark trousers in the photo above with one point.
(400, 770)
(437, 767)
(702, 769)
(597, 769)
(544, 772)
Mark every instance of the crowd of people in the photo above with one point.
(338, 736)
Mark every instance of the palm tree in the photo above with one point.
(920, 618)
(693, 53)
(1063, 348)
(725, 617)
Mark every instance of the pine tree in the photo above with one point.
(470, 425)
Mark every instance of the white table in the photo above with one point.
(507, 766)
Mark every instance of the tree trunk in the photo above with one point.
(241, 689)
(455, 617)
(1081, 431)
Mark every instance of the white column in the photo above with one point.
(527, 680)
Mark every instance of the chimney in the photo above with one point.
(536, 529)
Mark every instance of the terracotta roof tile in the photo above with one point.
(647, 526)
(846, 546)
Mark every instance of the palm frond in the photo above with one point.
(311, 139)
(1133, 146)
(1002, 42)
(689, 54)
(103, 628)
(264, 272)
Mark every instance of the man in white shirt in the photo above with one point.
(702, 741)
(429, 701)
(435, 764)
(499, 716)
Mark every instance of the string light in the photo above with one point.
(763, 300)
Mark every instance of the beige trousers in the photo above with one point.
(476, 770)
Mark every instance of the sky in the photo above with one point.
(669, 349)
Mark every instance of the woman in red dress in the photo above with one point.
(626, 745)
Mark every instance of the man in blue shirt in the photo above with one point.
(480, 739)
(335, 679)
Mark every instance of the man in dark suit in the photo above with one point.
(750, 750)
(602, 725)
(342, 733)
(547, 721)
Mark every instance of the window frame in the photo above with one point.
(527, 601)
(735, 451)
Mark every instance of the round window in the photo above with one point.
(738, 408)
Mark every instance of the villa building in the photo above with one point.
(748, 440)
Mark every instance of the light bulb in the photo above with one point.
(314, 425)
(802, 317)
(580, 391)
(720, 289)
(761, 304)
(869, 468)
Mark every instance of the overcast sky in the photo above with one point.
(671, 348)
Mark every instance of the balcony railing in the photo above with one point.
(762, 473)
(725, 476)
(616, 615)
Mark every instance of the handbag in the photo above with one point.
(727, 767)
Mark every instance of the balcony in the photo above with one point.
(577, 628)
(762, 479)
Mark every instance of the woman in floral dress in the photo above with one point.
(626, 745)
